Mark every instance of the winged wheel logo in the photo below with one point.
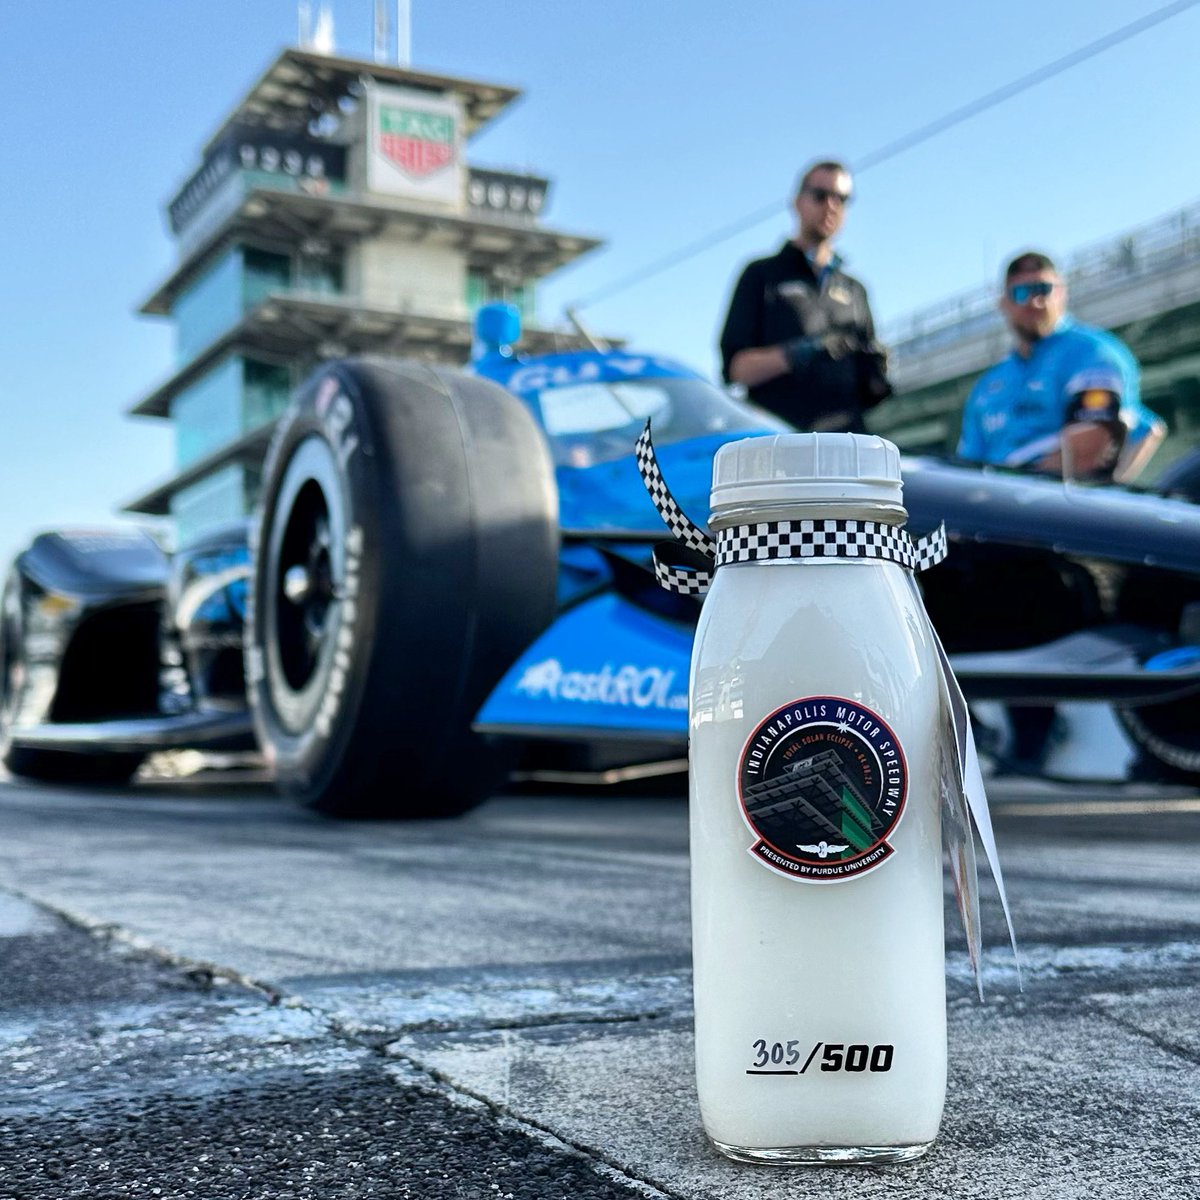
(823, 849)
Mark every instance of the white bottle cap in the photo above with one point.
(805, 468)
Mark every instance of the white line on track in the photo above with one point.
(1096, 808)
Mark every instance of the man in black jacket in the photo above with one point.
(799, 335)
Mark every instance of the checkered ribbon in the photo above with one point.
(687, 564)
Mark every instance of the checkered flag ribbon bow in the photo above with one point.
(686, 565)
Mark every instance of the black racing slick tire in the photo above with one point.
(1168, 735)
(406, 553)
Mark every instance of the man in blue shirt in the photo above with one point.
(1065, 399)
(1064, 402)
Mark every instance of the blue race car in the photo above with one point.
(450, 576)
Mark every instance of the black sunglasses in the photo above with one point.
(821, 195)
(1022, 293)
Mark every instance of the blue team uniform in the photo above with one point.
(1016, 410)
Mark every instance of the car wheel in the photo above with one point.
(406, 553)
(46, 766)
(1169, 734)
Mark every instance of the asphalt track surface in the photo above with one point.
(206, 993)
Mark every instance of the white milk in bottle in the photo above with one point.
(815, 814)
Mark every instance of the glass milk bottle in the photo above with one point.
(815, 814)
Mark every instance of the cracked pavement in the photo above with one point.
(246, 1001)
(130, 1075)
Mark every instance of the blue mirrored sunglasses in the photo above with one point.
(1022, 293)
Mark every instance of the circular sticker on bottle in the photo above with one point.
(822, 783)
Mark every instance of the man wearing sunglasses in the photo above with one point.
(799, 335)
(1064, 400)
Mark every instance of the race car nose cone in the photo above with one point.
(296, 584)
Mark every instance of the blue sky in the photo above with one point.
(659, 122)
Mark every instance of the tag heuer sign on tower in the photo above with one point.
(414, 145)
(419, 143)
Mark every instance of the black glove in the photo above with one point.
(841, 343)
(836, 344)
(878, 351)
(873, 380)
(799, 352)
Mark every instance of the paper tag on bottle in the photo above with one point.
(959, 840)
(963, 793)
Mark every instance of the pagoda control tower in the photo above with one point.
(333, 213)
